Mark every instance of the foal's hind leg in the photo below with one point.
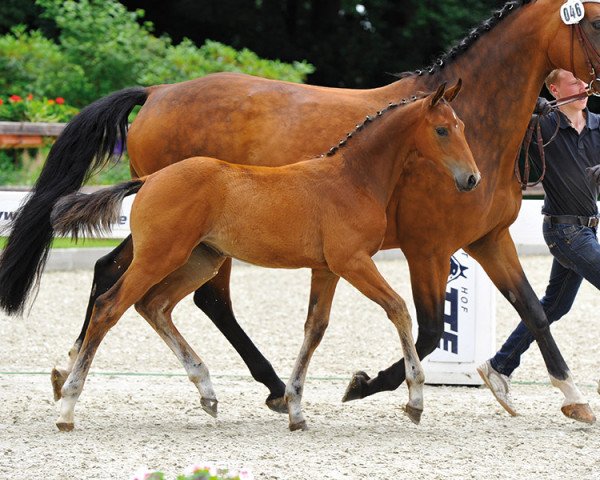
(145, 271)
(362, 273)
(157, 305)
(107, 271)
(322, 289)
(214, 299)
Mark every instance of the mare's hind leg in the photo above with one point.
(322, 289)
(107, 271)
(157, 306)
(361, 272)
(214, 299)
(146, 270)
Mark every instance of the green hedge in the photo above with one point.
(103, 47)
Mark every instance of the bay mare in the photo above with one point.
(328, 214)
(502, 62)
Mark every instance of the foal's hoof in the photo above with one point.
(580, 412)
(277, 404)
(209, 405)
(65, 427)
(58, 379)
(413, 413)
(298, 426)
(356, 387)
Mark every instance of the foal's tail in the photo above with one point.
(85, 146)
(91, 214)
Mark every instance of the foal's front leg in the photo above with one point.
(428, 276)
(322, 289)
(361, 272)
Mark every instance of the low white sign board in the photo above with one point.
(469, 336)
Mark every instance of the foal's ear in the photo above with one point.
(452, 92)
(437, 96)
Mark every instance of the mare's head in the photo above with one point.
(440, 137)
(573, 42)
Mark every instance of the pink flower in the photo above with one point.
(1, 101)
(51, 102)
(15, 98)
(142, 474)
(30, 96)
(201, 467)
(60, 100)
(246, 474)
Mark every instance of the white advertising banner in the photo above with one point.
(11, 200)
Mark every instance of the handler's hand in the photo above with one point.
(594, 172)
(542, 107)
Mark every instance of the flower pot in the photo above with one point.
(20, 141)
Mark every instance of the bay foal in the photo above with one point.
(327, 214)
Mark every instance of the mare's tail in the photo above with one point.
(85, 146)
(91, 214)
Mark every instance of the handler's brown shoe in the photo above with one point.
(499, 384)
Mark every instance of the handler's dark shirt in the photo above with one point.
(569, 188)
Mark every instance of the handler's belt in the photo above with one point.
(571, 220)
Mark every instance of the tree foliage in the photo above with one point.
(353, 43)
(100, 47)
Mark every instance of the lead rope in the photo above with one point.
(533, 127)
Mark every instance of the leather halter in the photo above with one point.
(591, 56)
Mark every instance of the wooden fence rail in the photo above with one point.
(30, 128)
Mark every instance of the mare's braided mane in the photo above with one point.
(469, 40)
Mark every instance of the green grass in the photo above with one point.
(23, 167)
(84, 243)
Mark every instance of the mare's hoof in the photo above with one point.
(299, 426)
(413, 413)
(209, 405)
(356, 387)
(58, 379)
(65, 427)
(277, 404)
(580, 412)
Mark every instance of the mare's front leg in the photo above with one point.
(157, 307)
(322, 289)
(213, 298)
(107, 271)
(498, 256)
(429, 276)
(361, 272)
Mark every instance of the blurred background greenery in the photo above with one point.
(57, 56)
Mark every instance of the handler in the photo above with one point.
(570, 211)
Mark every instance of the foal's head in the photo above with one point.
(440, 137)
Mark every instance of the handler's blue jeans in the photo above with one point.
(576, 256)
